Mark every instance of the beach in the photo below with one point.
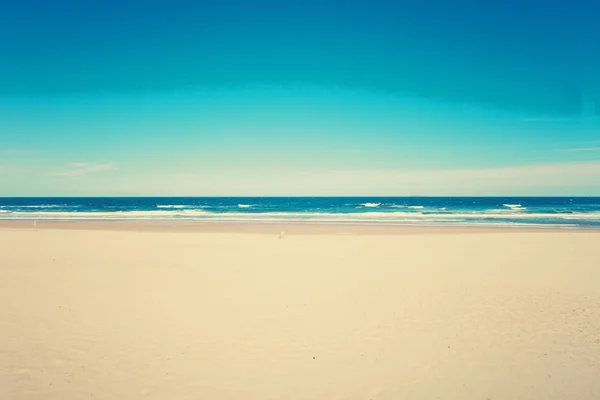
(127, 310)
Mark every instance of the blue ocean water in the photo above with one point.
(575, 212)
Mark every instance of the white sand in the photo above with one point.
(167, 315)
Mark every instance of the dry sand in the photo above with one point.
(223, 315)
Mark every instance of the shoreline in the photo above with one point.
(301, 228)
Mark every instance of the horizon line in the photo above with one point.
(297, 197)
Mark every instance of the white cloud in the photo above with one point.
(84, 168)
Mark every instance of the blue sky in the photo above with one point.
(299, 98)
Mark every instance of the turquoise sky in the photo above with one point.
(299, 98)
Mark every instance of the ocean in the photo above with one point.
(563, 212)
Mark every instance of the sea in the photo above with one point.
(551, 212)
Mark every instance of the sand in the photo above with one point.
(234, 313)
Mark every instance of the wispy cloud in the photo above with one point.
(84, 168)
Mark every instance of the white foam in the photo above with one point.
(244, 205)
(66, 215)
(195, 212)
(371, 204)
(512, 205)
(505, 215)
(399, 217)
(178, 213)
(40, 206)
(171, 206)
(416, 207)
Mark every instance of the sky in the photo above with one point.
(299, 98)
